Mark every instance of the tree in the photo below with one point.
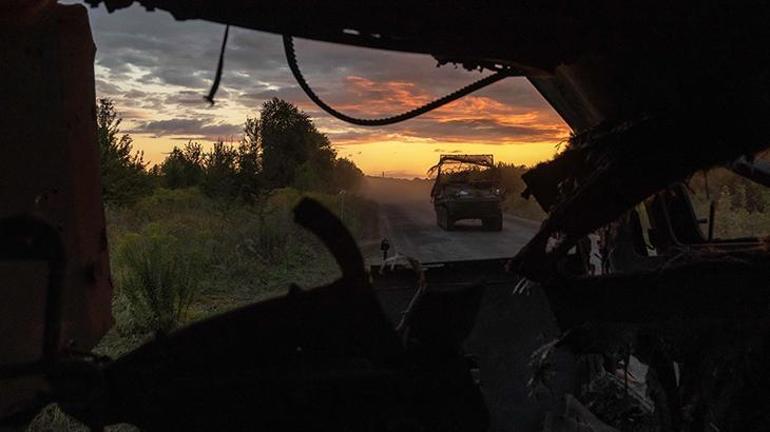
(221, 171)
(346, 176)
(292, 145)
(183, 167)
(280, 149)
(316, 172)
(250, 159)
(124, 178)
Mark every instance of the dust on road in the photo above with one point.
(408, 220)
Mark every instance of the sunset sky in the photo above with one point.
(157, 71)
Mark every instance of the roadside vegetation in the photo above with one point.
(742, 207)
(514, 203)
(205, 231)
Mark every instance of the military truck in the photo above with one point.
(467, 187)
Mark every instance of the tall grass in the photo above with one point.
(178, 255)
(157, 278)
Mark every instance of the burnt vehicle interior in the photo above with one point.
(663, 322)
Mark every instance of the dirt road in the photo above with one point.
(408, 220)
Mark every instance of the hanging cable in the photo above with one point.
(291, 57)
(218, 76)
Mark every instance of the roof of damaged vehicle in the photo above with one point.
(534, 35)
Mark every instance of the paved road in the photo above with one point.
(508, 327)
(412, 230)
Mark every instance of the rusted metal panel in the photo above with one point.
(49, 170)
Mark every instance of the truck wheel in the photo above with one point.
(450, 224)
(493, 223)
(443, 219)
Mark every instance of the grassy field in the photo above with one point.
(214, 256)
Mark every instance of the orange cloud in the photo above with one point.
(474, 118)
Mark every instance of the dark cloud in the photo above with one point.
(135, 94)
(192, 98)
(189, 128)
(104, 88)
(488, 130)
(293, 93)
(175, 76)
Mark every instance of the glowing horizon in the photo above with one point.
(400, 159)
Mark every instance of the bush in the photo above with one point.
(156, 280)
(510, 176)
(226, 252)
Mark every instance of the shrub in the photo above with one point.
(227, 252)
(510, 176)
(156, 279)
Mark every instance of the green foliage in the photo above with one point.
(123, 174)
(250, 160)
(220, 167)
(346, 176)
(226, 254)
(510, 177)
(281, 149)
(307, 178)
(292, 147)
(182, 249)
(186, 234)
(156, 277)
(183, 167)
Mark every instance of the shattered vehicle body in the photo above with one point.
(655, 286)
(654, 93)
(467, 187)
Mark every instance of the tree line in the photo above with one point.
(281, 148)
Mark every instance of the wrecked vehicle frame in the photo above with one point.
(677, 87)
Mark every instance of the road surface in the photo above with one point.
(508, 327)
(408, 220)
